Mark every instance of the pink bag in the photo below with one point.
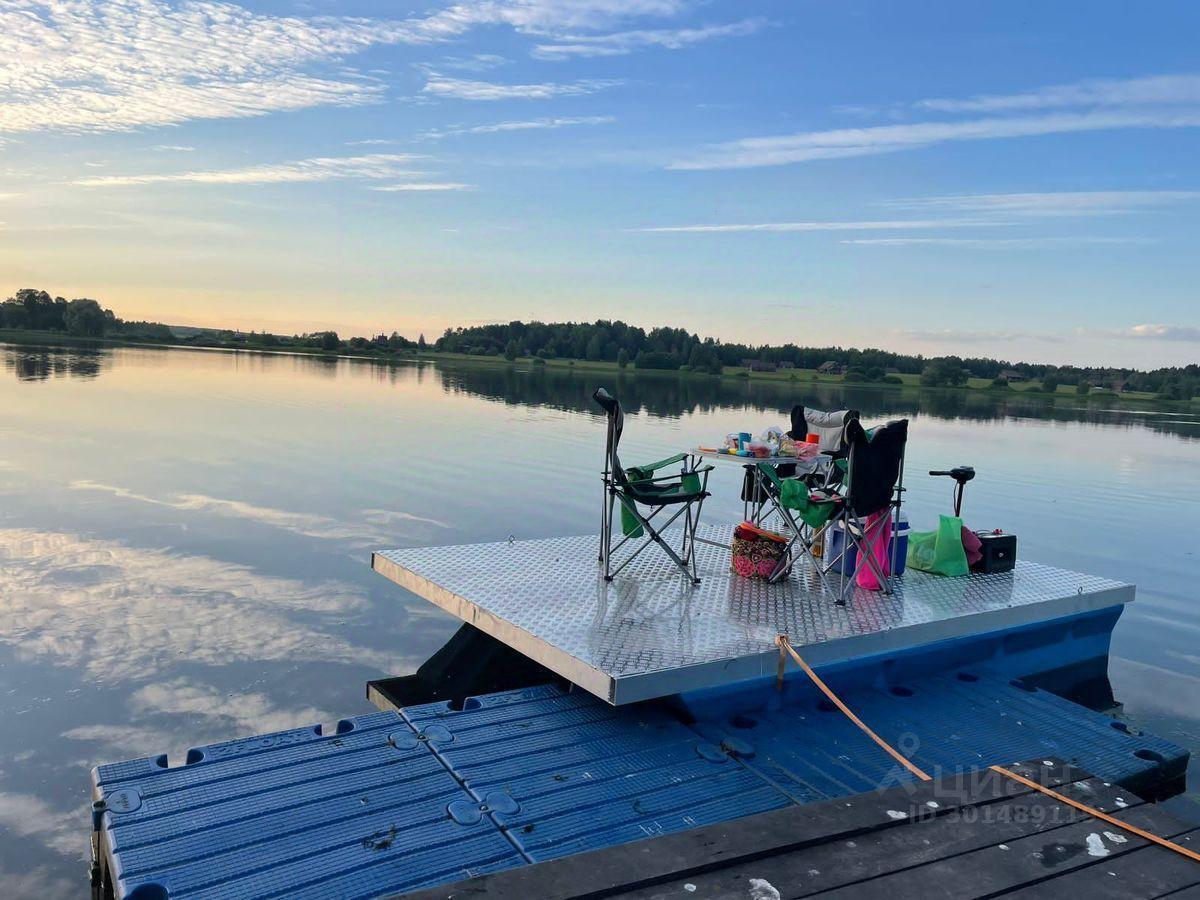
(972, 546)
(877, 546)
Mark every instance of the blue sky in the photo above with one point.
(1012, 179)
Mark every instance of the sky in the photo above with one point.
(1011, 179)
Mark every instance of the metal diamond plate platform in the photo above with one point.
(649, 633)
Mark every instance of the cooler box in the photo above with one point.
(833, 546)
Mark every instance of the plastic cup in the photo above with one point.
(811, 438)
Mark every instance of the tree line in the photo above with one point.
(663, 348)
(677, 348)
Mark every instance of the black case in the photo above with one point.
(999, 553)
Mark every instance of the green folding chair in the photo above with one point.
(640, 487)
(815, 509)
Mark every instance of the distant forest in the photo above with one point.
(672, 349)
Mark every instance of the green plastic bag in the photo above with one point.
(941, 551)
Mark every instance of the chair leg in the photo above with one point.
(653, 536)
(606, 548)
(864, 556)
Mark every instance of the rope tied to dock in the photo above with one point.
(786, 649)
(785, 645)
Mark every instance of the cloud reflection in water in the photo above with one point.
(124, 612)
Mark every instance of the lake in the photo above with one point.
(185, 535)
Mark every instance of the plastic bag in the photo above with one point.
(940, 551)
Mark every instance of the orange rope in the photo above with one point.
(1095, 813)
(785, 645)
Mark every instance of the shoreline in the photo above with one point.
(797, 377)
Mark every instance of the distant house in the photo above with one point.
(785, 364)
(1013, 375)
(891, 370)
(831, 368)
(757, 365)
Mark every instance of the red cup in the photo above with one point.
(811, 438)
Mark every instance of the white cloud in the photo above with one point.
(117, 65)
(161, 607)
(370, 531)
(1033, 243)
(478, 62)
(1062, 203)
(957, 336)
(27, 815)
(1158, 90)
(229, 715)
(547, 123)
(625, 42)
(852, 142)
(1164, 332)
(41, 883)
(822, 226)
(174, 148)
(323, 168)
(546, 16)
(424, 186)
(463, 89)
(103, 65)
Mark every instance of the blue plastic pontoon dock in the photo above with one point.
(394, 801)
(437, 792)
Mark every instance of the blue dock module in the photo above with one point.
(356, 813)
(650, 633)
(393, 801)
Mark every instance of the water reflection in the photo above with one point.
(675, 396)
(182, 540)
(124, 613)
(42, 363)
(666, 395)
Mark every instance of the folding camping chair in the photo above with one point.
(830, 429)
(873, 490)
(638, 486)
(792, 499)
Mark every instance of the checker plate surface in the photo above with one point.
(649, 633)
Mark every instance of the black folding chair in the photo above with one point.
(874, 482)
(639, 486)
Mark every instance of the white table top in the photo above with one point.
(807, 463)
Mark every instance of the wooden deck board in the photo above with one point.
(986, 836)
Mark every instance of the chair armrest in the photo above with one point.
(669, 461)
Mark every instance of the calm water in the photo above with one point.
(184, 536)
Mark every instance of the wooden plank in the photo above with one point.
(675, 857)
(1148, 872)
(1006, 867)
(1188, 893)
(839, 863)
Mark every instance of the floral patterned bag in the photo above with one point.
(756, 552)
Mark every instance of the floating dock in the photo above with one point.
(980, 836)
(649, 633)
(394, 801)
(671, 760)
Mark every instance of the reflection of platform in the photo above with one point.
(650, 634)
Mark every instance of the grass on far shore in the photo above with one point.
(787, 376)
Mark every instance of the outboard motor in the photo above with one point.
(961, 475)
